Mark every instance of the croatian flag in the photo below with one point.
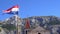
(12, 10)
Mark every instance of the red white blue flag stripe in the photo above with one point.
(12, 10)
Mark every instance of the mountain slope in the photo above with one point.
(43, 21)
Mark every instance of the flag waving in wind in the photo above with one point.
(12, 10)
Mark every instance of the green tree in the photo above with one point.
(9, 27)
(54, 22)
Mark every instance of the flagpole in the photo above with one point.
(16, 23)
(17, 26)
(16, 16)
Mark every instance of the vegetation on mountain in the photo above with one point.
(54, 22)
(9, 26)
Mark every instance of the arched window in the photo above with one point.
(39, 33)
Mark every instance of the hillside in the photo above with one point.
(43, 21)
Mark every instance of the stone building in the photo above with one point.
(39, 30)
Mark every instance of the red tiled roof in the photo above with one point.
(27, 25)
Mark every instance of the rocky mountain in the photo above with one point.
(47, 22)
(51, 23)
(44, 21)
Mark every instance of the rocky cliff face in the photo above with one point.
(35, 21)
(44, 21)
(48, 22)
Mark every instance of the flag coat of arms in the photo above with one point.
(12, 10)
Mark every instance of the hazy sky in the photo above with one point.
(31, 7)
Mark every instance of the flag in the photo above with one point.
(12, 10)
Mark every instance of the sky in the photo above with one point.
(30, 8)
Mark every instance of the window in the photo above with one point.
(39, 33)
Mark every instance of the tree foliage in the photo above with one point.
(9, 26)
(54, 22)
